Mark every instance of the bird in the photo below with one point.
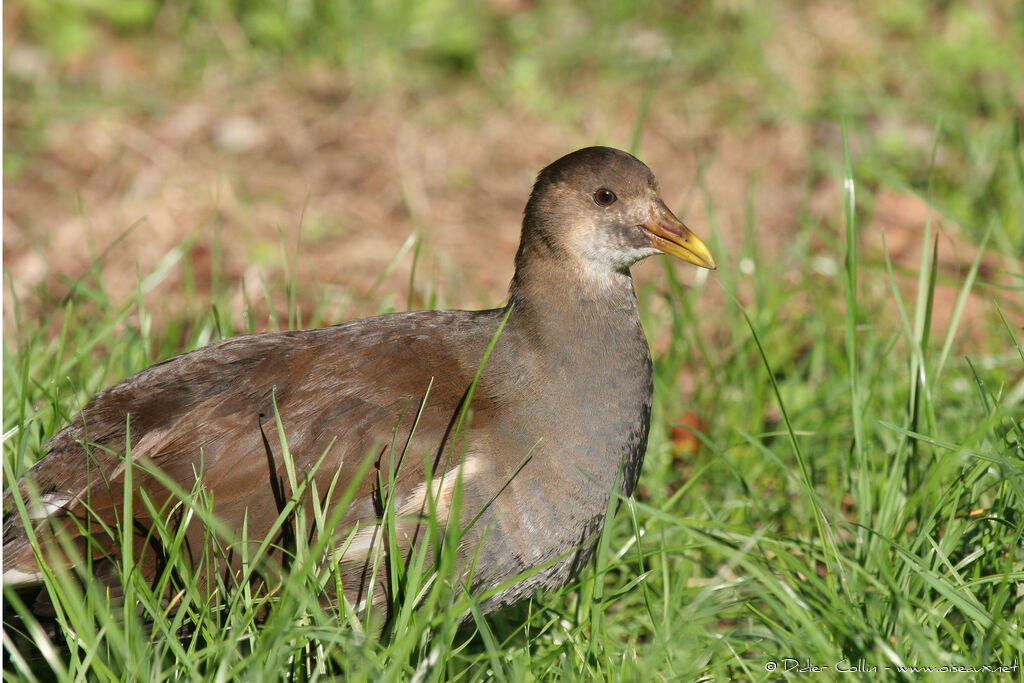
(526, 420)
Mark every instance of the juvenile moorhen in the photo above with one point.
(555, 425)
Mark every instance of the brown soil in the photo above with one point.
(363, 172)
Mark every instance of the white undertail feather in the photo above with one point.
(442, 490)
(16, 578)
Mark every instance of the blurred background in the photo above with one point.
(181, 137)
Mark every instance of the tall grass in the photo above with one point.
(857, 495)
(857, 502)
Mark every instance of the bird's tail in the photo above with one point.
(30, 527)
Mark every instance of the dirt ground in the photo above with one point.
(250, 155)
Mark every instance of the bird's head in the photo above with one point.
(602, 208)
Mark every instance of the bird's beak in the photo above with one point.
(668, 234)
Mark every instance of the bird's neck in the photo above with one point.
(573, 304)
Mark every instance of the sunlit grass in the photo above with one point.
(857, 495)
(856, 500)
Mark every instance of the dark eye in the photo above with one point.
(605, 197)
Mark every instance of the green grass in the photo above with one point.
(857, 500)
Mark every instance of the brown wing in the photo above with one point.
(349, 391)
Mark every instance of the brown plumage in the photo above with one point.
(561, 410)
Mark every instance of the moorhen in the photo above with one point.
(535, 413)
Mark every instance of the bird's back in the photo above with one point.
(342, 394)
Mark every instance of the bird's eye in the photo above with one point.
(605, 197)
